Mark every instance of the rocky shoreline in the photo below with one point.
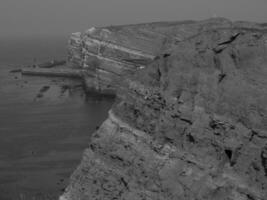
(190, 121)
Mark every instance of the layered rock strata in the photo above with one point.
(111, 52)
(191, 125)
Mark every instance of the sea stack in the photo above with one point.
(190, 121)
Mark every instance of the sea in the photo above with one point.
(45, 123)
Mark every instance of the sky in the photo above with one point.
(62, 17)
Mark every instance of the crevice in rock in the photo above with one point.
(92, 147)
(166, 55)
(159, 74)
(213, 124)
(232, 39)
(124, 183)
(175, 116)
(250, 197)
(116, 158)
(229, 154)
(221, 77)
(234, 57)
(264, 159)
(186, 120)
(223, 45)
(255, 133)
(169, 140)
(191, 138)
(218, 50)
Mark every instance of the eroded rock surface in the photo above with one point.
(190, 125)
(111, 52)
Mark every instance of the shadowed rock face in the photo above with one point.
(192, 124)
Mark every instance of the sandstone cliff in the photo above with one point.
(190, 124)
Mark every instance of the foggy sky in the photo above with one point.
(61, 17)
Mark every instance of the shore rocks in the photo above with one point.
(191, 124)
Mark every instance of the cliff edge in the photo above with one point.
(190, 124)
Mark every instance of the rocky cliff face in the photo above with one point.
(111, 52)
(192, 124)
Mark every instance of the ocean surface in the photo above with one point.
(45, 123)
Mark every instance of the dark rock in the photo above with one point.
(44, 89)
(64, 88)
(15, 71)
(39, 95)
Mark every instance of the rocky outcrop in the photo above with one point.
(192, 124)
(111, 52)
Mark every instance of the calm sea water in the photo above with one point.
(45, 123)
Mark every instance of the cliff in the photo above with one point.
(111, 52)
(190, 124)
